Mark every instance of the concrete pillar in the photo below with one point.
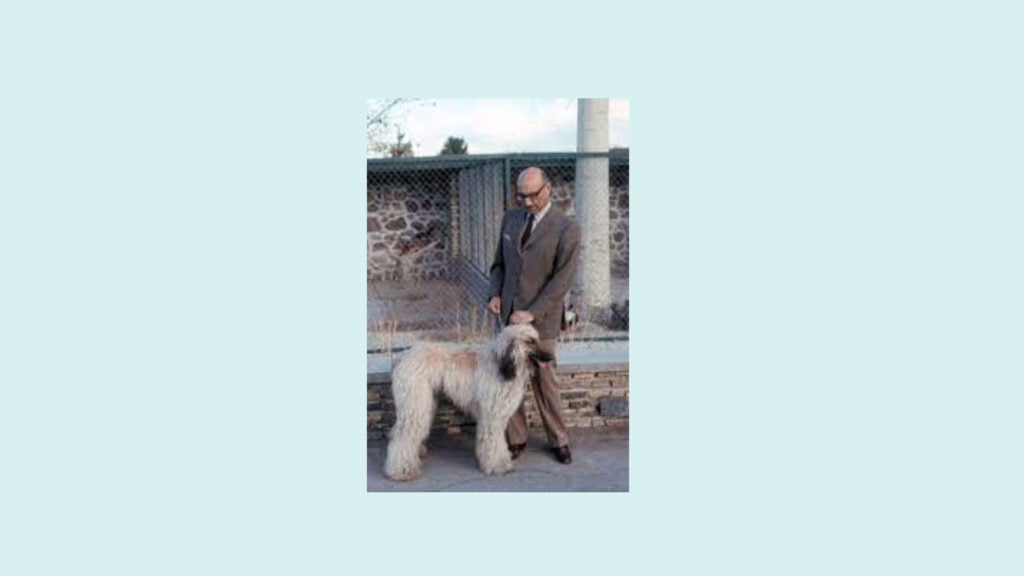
(592, 291)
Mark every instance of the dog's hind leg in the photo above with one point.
(414, 409)
(406, 448)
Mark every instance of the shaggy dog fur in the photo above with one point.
(487, 383)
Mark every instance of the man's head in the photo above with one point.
(533, 190)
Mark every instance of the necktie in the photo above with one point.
(527, 232)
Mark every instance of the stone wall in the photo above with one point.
(589, 399)
(618, 219)
(410, 222)
(619, 224)
(408, 230)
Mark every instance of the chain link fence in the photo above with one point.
(433, 225)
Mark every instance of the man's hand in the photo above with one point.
(495, 305)
(521, 317)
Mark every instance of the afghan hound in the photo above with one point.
(487, 383)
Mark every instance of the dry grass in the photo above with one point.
(473, 325)
(387, 329)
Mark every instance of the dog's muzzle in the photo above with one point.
(541, 356)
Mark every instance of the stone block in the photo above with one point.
(396, 224)
(613, 407)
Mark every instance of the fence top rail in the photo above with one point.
(464, 161)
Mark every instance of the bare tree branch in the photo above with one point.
(380, 121)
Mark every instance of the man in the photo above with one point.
(532, 272)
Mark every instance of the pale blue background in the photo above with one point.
(826, 247)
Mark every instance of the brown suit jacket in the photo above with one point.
(537, 277)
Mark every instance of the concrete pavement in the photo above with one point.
(600, 464)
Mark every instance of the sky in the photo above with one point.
(499, 125)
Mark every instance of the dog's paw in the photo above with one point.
(498, 468)
(403, 471)
(405, 475)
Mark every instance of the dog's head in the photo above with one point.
(518, 351)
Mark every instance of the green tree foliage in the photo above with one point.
(454, 146)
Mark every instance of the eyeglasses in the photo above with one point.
(523, 197)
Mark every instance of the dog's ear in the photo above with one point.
(507, 362)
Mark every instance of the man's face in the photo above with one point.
(533, 194)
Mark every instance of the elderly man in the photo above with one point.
(532, 272)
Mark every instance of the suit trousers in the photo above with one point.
(548, 401)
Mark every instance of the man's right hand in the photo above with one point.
(495, 305)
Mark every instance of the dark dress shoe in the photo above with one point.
(516, 450)
(562, 454)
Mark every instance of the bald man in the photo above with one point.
(532, 272)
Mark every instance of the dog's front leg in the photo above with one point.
(491, 449)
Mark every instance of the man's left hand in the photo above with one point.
(521, 317)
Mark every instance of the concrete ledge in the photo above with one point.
(378, 377)
(571, 359)
(564, 367)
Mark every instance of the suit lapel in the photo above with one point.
(546, 223)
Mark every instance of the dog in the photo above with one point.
(487, 383)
